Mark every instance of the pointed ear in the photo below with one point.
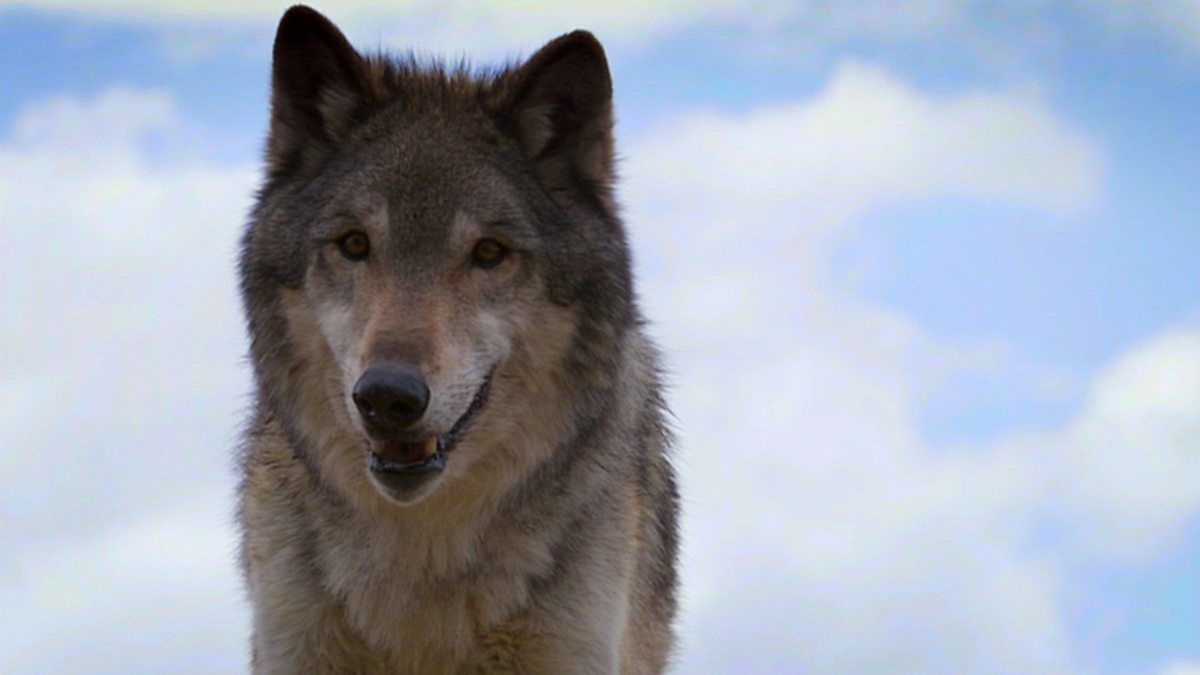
(560, 106)
(318, 88)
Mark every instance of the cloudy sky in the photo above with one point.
(925, 274)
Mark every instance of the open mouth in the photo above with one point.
(406, 457)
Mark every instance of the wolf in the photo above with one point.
(458, 455)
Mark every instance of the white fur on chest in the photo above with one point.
(423, 589)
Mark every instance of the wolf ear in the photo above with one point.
(561, 110)
(318, 88)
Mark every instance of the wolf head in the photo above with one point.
(434, 263)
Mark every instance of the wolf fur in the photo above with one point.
(548, 542)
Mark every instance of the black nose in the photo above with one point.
(390, 398)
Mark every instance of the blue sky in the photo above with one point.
(942, 257)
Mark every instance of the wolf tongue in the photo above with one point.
(406, 453)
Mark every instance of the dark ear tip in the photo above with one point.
(580, 41)
(581, 54)
(300, 22)
(298, 14)
(296, 11)
(581, 35)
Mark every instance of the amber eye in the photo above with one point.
(354, 245)
(488, 253)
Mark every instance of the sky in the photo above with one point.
(924, 274)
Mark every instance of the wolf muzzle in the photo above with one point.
(390, 398)
(406, 458)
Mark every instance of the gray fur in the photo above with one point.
(548, 544)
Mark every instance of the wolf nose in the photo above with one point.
(390, 397)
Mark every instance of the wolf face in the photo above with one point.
(416, 252)
(415, 282)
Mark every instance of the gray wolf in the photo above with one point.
(457, 459)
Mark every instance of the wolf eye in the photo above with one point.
(354, 245)
(488, 253)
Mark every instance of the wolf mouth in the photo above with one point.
(429, 455)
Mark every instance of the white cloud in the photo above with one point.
(152, 590)
(749, 208)
(1181, 668)
(824, 533)
(121, 280)
(867, 139)
(121, 377)
(1132, 460)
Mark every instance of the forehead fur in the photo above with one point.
(428, 82)
(387, 88)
